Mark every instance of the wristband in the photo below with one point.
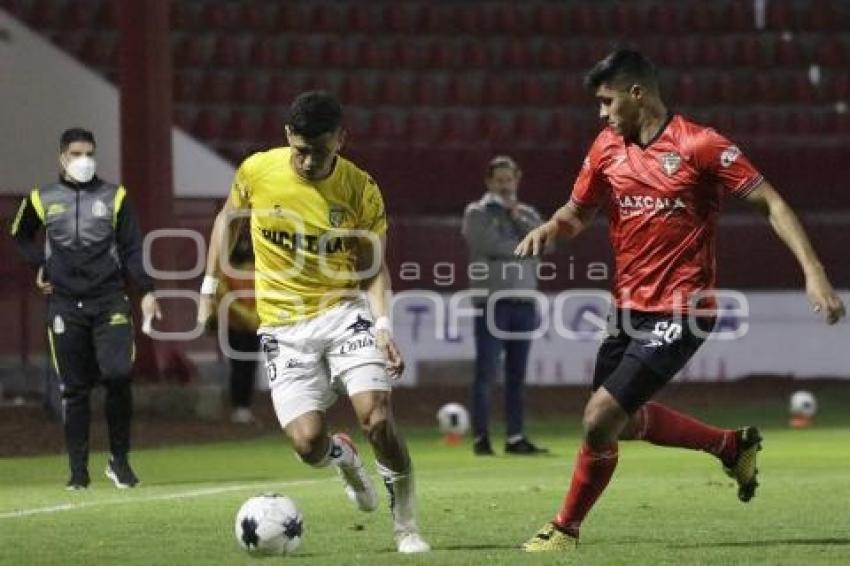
(209, 285)
(383, 323)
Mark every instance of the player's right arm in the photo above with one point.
(28, 221)
(225, 228)
(571, 219)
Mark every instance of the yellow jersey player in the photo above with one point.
(318, 227)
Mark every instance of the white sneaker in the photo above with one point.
(358, 484)
(411, 543)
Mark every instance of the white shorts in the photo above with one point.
(310, 362)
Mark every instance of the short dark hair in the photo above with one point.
(72, 135)
(623, 66)
(314, 113)
(500, 162)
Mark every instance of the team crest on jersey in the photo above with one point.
(671, 162)
(729, 155)
(336, 216)
(99, 209)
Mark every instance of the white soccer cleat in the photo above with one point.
(358, 485)
(411, 543)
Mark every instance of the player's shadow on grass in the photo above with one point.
(832, 541)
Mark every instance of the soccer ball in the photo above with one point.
(803, 404)
(453, 418)
(269, 524)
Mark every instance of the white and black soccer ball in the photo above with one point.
(453, 418)
(803, 404)
(269, 524)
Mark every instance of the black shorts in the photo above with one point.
(643, 351)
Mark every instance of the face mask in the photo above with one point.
(81, 169)
(502, 200)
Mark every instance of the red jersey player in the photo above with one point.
(660, 177)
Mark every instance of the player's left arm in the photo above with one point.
(787, 226)
(378, 289)
(128, 234)
(377, 282)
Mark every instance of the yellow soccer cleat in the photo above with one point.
(550, 539)
(744, 470)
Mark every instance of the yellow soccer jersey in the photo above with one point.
(305, 260)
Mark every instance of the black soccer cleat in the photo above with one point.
(79, 480)
(524, 447)
(121, 474)
(743, 468)
(482, 447)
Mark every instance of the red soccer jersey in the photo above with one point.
(663, 201)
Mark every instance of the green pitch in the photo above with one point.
(664, 506)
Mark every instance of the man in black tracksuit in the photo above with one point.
(92, 244)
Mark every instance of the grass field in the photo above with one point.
(664, 506)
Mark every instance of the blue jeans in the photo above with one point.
(509, 316)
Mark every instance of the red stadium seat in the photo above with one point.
(357, 89)
(495, 127)
(805, 122)
(384, 127)
(664, 18)
(257, 18)
(457, 128)
(106, 15)
(422, 127)
(701, 17)
(374, 54)
(512, 18)
(396, 90)
(209, 125)
(739, 16)
(302, 53)
(444, 54)
(340, 54)
(825, 15)
(551, 18)
(249, 88)
(553, 55)
(430, 91)
(45, 14)
(626, 19)
(802, 90)
(193, 51)
(282, 89)
(412, 55)
(584, 19)
(501, 91)
(536, 91)
(186, 86)
(184, 16)
(528, 128)
(787, 52)
(780, 15)
(270, 130)
(832, 52)
(242, 126)
(217, 87)
(711, 53)
(365, 17)
(101, 50)
(473, 19)
(437, 19)
(184, 116)
(293, 16)
(403, 17)
(329, 17)
(229, 51)
(726, 88)
(517, 54)
(561, 129)
(840, 87)
(79, 16)
(569, 90)
(475, 54)
(466, 90)
(221, 16)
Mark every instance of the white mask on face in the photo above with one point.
(81, 169)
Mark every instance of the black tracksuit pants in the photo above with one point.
(91, 342)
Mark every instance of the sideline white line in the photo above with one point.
(161, 497)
